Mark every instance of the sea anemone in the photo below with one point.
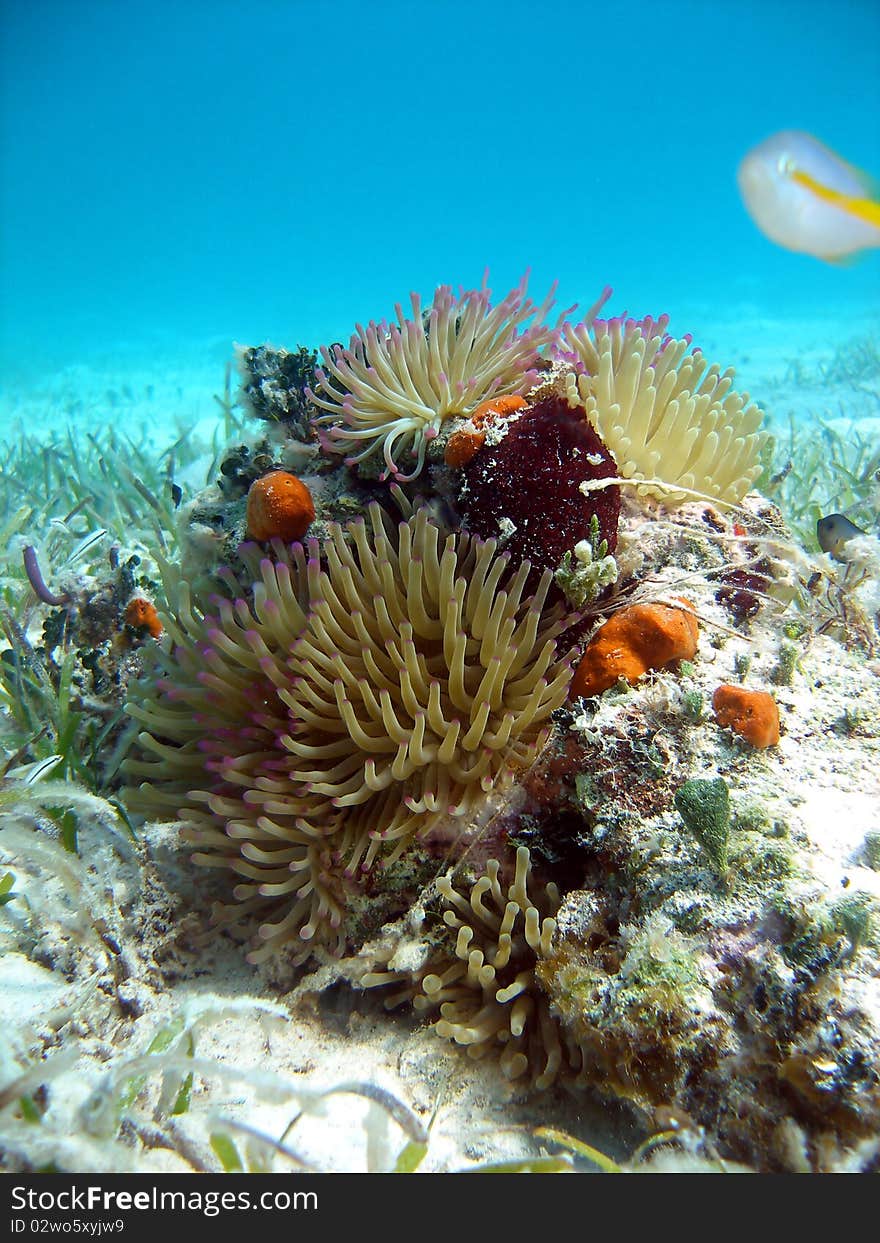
(668, 417)
(361, 691)
(484, 985)
(395, 384)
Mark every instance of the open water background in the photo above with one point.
(176, 175)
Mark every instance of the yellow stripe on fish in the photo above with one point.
(803, 196)
(865, 209)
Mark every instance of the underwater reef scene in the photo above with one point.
(468, 759)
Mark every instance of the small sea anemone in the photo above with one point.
(668, 417)
(485, 987)
(361, 691)
(395, 384)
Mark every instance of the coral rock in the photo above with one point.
(274, 383)
(526, 488)
(751, 714)
(634, 640)
(279, 506)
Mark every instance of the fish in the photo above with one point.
(806, 198)
(834, 532)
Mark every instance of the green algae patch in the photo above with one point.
(704, 806)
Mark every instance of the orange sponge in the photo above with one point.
(638, 638)
(281, 505)
(751, 714)
(142, 615)
(462, 445)
(486, 410)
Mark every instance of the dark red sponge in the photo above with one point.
(531, 477)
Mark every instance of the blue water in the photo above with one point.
(208, 171)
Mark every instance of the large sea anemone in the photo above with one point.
(670, 418)
(390, 391)
(361, 690)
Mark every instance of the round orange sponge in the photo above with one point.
(634, 640)
(751, 714)
(279, 505)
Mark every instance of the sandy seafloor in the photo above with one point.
(115, 949)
